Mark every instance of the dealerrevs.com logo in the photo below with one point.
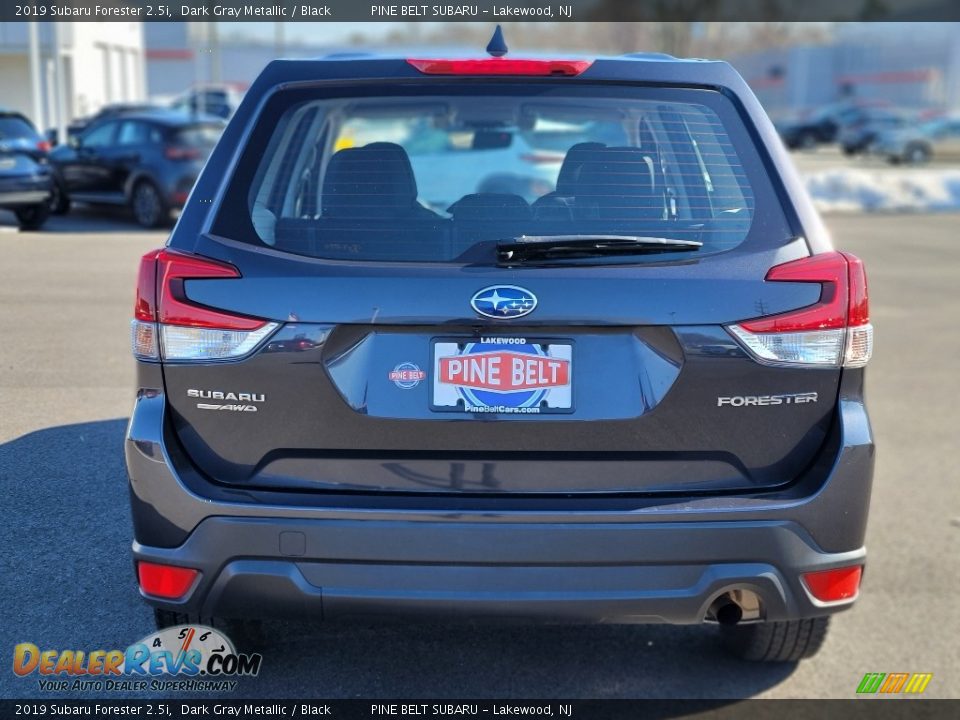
(187, 657)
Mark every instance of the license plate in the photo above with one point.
(505, 375)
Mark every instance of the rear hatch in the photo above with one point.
(21, 155)
(339, 331)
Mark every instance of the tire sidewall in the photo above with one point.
(141, 191)
(917, 154)
(33, 217)
(59, 200)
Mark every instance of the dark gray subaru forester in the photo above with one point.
(555, 339)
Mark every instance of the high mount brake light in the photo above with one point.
(167, 324)
(500, 66)
(834, 331)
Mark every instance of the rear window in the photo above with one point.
(199, 135)
(441, 174)
(14, 127)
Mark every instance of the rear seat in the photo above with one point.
(488, 216)
(556, 205)
(369, 209)
(618, 184)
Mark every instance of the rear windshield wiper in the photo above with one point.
(528, 247)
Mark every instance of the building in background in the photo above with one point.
(914, 65)
(907, 64)
(181, 56)
(73, 70)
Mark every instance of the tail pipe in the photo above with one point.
(734, 607)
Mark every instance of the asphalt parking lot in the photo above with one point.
(66, 379)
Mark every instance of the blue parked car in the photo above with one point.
(25, 180)
(146, 160)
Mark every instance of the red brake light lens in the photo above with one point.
(834, 585)
(145, 305)
(43, 146)
(177, 152)
(843, 299)
(500, 66)
(858, 311)
(173, 306)
(165, 581)
(829, 269)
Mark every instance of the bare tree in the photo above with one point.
(684, 39)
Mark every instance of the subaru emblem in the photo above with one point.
(504, 301)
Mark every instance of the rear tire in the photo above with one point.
(788, 641)
(246, 635)
(60, 201)
(807, 141)
(149, 209)
(917, 154)
(33, 217)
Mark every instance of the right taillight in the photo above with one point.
(168, 325)
(833, 332)
(180, 152)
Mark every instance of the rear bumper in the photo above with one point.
(658, 560)
(24, 191)
(644, 573)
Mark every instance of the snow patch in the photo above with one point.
(909, 190)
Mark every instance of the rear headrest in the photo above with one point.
(490, 207)
(573, 161)
(619, 184)
(375, 180)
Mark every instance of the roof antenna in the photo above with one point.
(497, 47)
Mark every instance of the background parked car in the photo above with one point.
(520, 161)
(857, 137)
(147, 161)
(25, 181)
(935, 139)
(823, 125)
(78, 125)
(218, 100)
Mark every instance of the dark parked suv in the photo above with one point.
(636, 399)
(145, 160)
(25, 181)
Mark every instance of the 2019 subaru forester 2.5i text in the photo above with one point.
(632, 396)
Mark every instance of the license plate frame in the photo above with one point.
(552, 373)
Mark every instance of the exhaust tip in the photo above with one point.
(734, 607)
(729, 613)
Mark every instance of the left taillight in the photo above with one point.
(833, 332)
(167, 325)
(165, 581)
